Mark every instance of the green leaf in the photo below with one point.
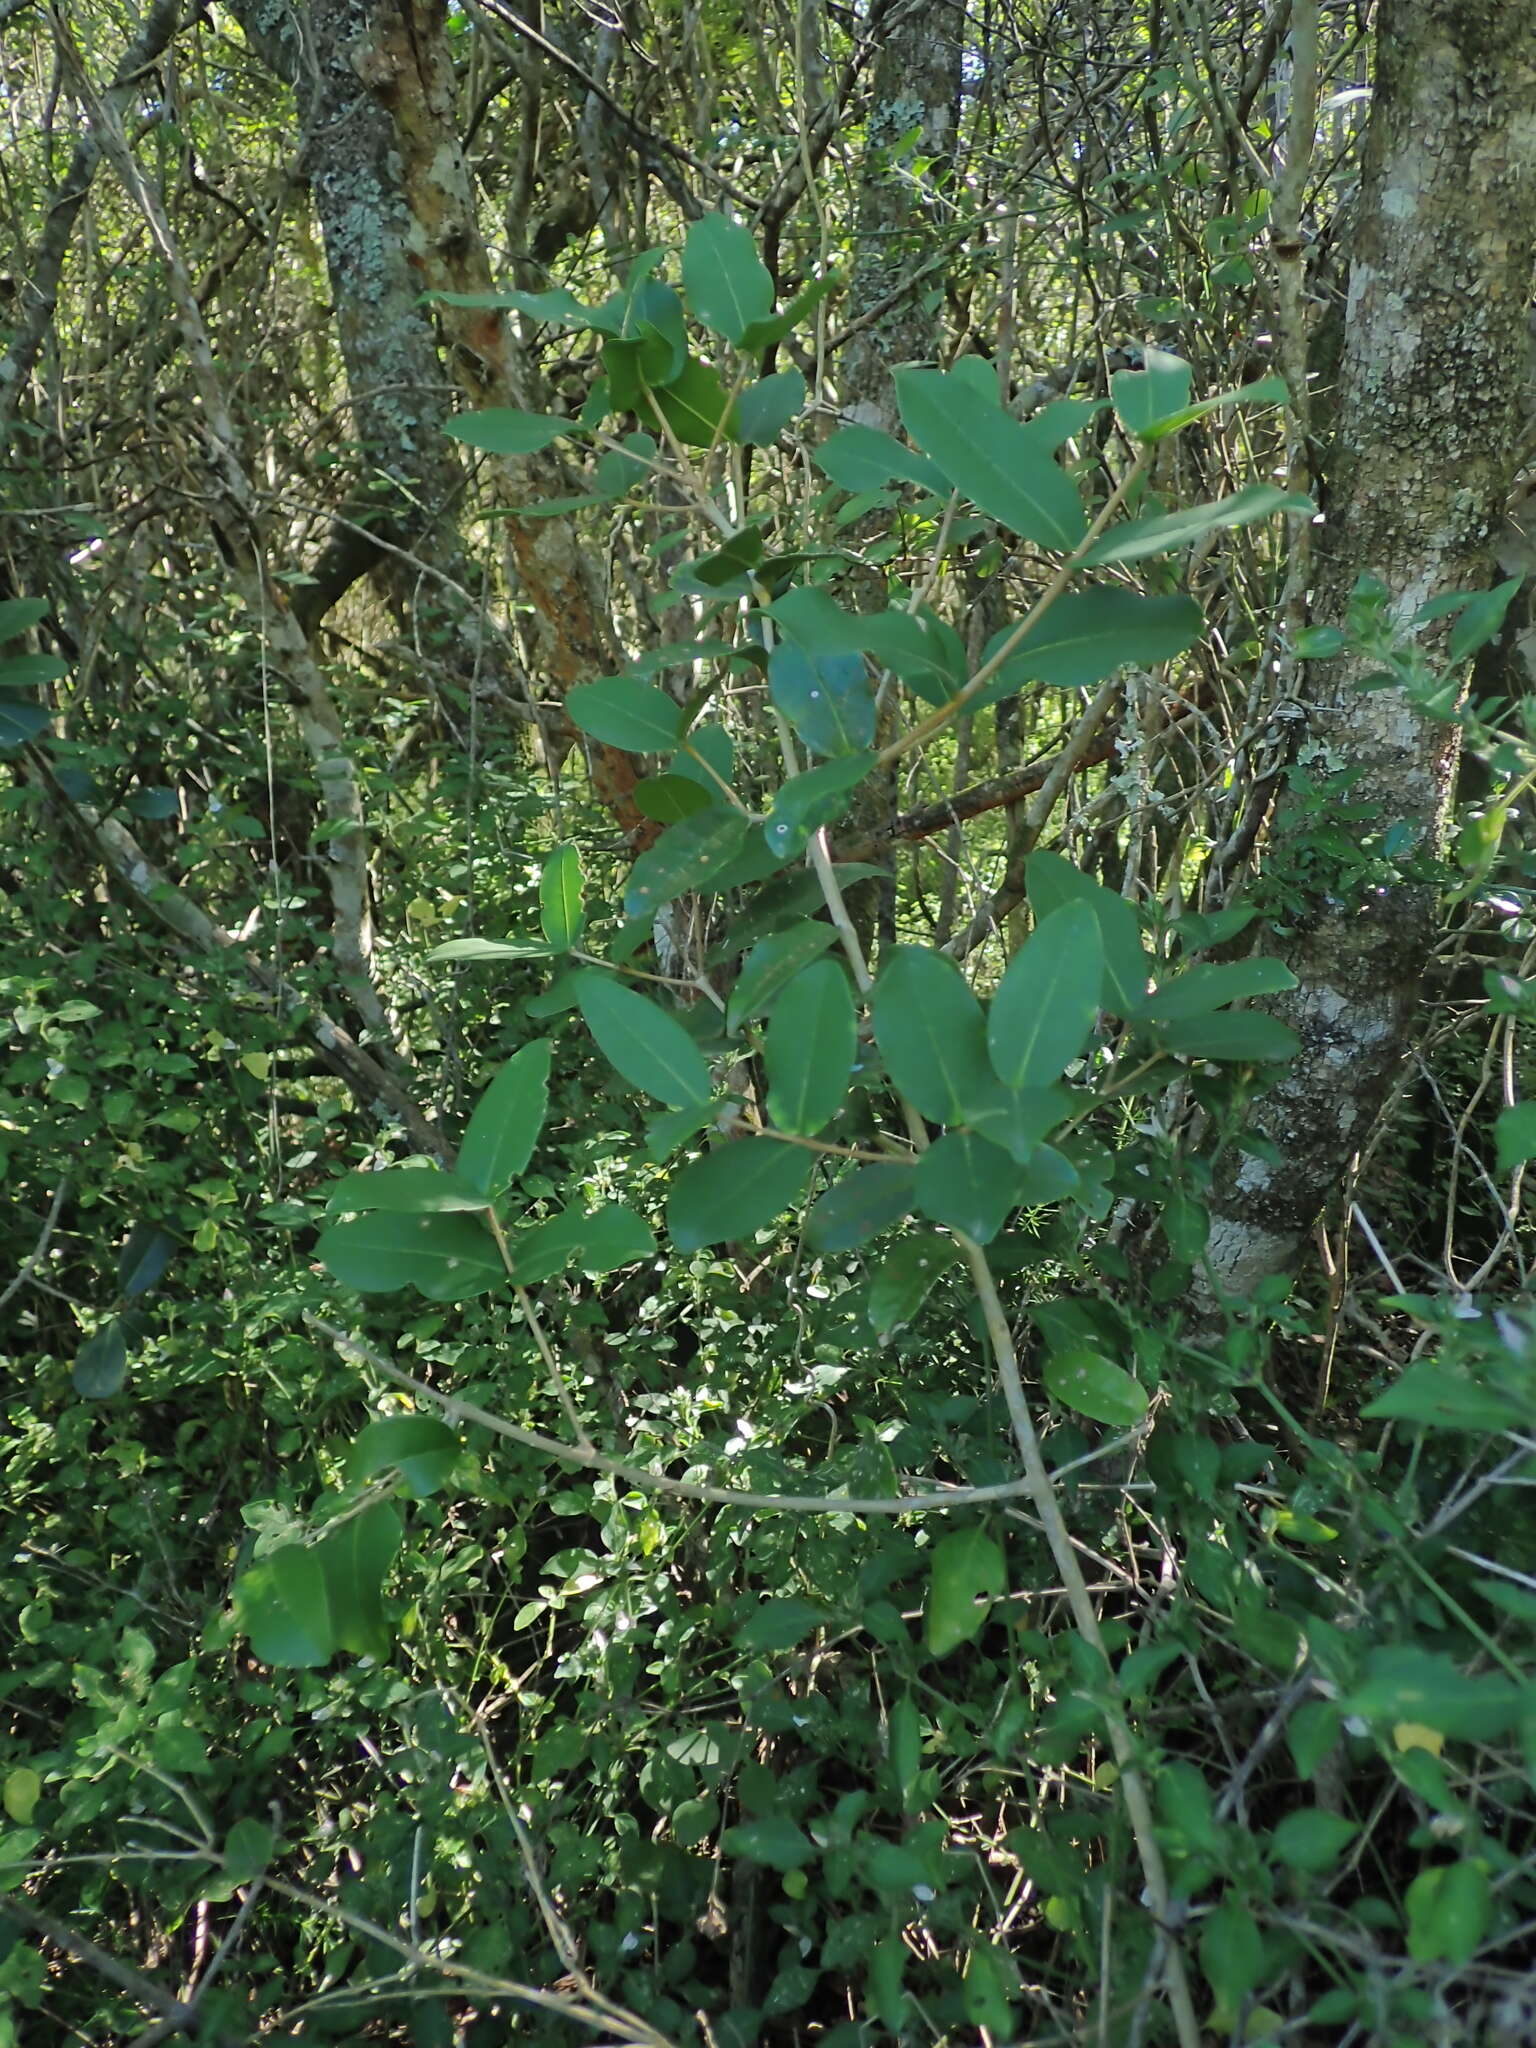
(863, 459)
(1052, 881)
(769, 332)
(1134, 539)
(966, 1575)
(1044, 1175)
(650, 1049)
(991, 1988)
(772, 965)
(1212, 983)
(1144, 398)
(284, 1606)
(22, 1790)
(31, 671)
(774, 1841)
(809, 1049)
(766, 408)
(248, 1850)
(602, 1242)
(504, 431)
(734, 1191)
(490, 949)
(1048, 999)
(1405, 1682)
(21, 722)
(1310, 1839)
(967, 1183)
(1232, 1957)
(988, 456)
(1018, 1118)
(507, 1120)
(859, 1206)
(17, 614)
(101, 1363)
(780, 1625)
(356, 1558)
(423, 1450)
(447, 1258)
(808, 801)
(684, 858)
(825, 697)
(921, 649)
(1482, 620)
(404, 1191)
(1514, 1135)
(727, 282)
(622, 713)
(1089, 634)
(671, 798)
(142, 1262)
(911, 1268)
(707, 757)
(931, 1035)
(560, 911)
(697, 407)
(1450, 1908)
(1082, 1380)
(1437, 1395)
(1245, 1035)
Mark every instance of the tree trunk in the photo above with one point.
(1434, 359)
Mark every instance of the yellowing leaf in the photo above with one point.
(1414, 1735)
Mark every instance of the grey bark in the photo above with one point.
(1434, 360)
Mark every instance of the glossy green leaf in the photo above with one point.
(21, 722)
(504, 431)
(735, 1190)
(766, 408)
(780, 1625)
(1144, 398)
(932, 1036)
(966, 1574)
(1482, 620)
(356, 1558)
(1047, 1001)
(864, 459)
(1450, 1908)
(1245, 1035)
(1089, 634)
(18, 614)
(1212, 983)
(697, 407)
(507, 1120)
(809, 1049)
(968, 1184)
(423, 1450)
(806, 802)
(404, 1191)
(706, 757)
(447, 1258)
(284, 1606)
(101, 1363)
(826, 698)
(1159, 534)
(727, 283)
(859, 1206)
(684, 858)
(671, 798)
(143, 1260)
(986, 454)
(490, 949)
(911, 1268)
(600, 1242)
(1018, 1118)
(1051, 882)
(650, 1049)
(772, 965)
(924, 651)
(1514, 1132)
(560, 909)
(624, 713)
(774, 327)
(774, 1841)
(1084, 1380)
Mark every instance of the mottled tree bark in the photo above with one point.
(1434, 361)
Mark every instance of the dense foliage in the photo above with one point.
(633, 999)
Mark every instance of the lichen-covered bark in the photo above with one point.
(1434, 359)
(915, 86)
